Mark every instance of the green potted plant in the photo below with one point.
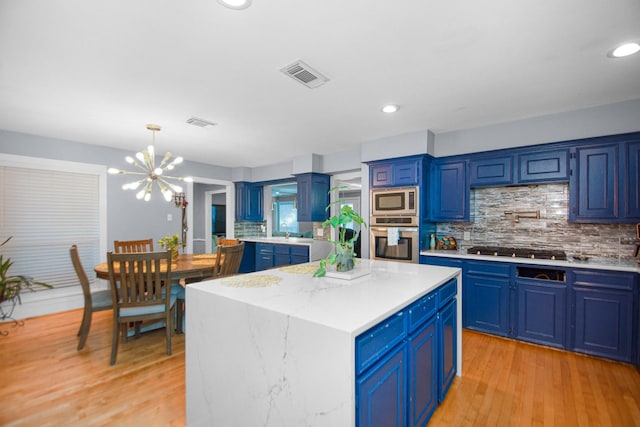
(171, 243)
(10, 286)
(344, 256)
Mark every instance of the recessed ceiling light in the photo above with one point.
(390, 108)
(625, 50)
(235, 4)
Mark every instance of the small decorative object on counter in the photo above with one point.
(446, 243)
(432, 242)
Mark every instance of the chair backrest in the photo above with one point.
(82, 275)
(137, 279)
(132, 246)
(228, 259)
(227, 242)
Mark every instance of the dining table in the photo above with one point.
(190, 267)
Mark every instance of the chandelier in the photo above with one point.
(146, 161)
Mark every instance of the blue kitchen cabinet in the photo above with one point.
(249, 201)
(603, 313)
(631, 174)
(264, 256)
(406, 363)
(491, 171)
(543, 166)
(485, 301)
(270, 255)
(447, 345)
(449, 191)
(248, 263)
(396, 173)
(594, 188)
(541, 312)
(441, 261)
(312, 197)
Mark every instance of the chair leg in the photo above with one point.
(84, 329)
(114, 341)
(84, 319)
(180, 307)
(169, 330)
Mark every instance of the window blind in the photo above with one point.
(47, 211)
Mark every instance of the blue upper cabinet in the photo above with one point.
(543, 166)
(249, 201)
(449, 191)
(604, 180)
(313, 196)
(632, 180)
(491, 171)
(595, 184)
(396, 173)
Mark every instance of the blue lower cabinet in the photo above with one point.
(380, 393)
(299, 254)
(448, 348)
(486, 304)
(541, 313)
(264, 256)
(423, 373)
(270, 255)
(406, 363)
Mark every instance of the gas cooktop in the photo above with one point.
(517, 252)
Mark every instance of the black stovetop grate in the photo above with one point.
(518, 252)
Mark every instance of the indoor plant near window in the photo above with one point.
(10, 286)
(344, 254)
(171, 243)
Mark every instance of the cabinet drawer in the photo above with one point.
(609, 279)
(299, 250)
(422, 310)
(489, 268)
(447, 292)
(374, 343)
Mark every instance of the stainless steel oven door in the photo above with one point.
(406, 249)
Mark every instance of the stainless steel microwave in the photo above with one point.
(398, 201)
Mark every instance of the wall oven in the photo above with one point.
(394, 244)
(399, 201)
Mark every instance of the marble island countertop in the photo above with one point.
(629, 265)
(351, 306)
(278, 239)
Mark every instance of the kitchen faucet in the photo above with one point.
(286, 227)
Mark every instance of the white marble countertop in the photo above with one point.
(596, 264)
(351, 306)
(303, 241)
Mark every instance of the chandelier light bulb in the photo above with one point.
(626, 50)
(140, 194)
(129, 159)
(139, 156)
(157, 171)
(113, 171)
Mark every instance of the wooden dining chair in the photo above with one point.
(97, 300)
(227, 242)
(138, 289)
(228, 260)
(132, 246)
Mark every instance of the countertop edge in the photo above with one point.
(595, 264)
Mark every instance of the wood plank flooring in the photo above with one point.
(44, 381)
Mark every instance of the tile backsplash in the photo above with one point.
(491, 227)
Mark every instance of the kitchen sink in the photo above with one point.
(518, 252)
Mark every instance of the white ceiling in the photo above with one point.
(98, 72)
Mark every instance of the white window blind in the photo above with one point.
(47, 211)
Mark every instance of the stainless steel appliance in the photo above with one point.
(407, 245)
(399, 201)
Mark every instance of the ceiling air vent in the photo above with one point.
(305, 74)
(199, 122)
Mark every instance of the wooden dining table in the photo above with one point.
(187, 266)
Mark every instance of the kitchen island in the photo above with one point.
(278, 348)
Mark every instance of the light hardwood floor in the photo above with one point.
(44, 381)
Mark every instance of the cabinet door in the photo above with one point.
(299, 254)
(380, 393)
(491, 171)
(486, 297)
(381, 175)
(594, 189)
(254, 203)
(264, 256)
(281, 255)
(313, 196)
(449, 192)
(545, 166)
(541, 313)
(603, 322)
(406, 172)
(632, 181)
(447, 337)
(423, 373)
(248, 264)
